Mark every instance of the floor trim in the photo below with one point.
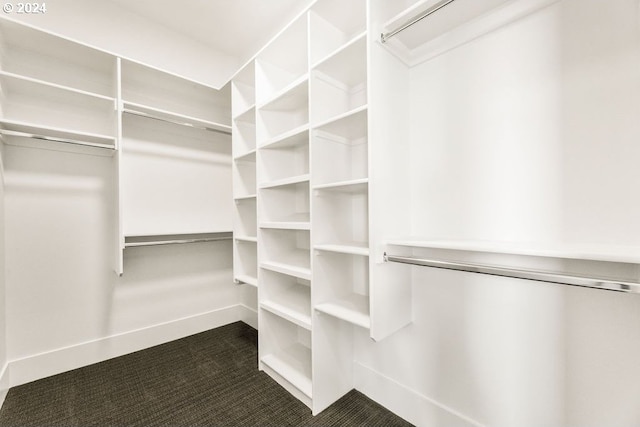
(249, 316)
(38, 366)
(4, 383)
(405, 402)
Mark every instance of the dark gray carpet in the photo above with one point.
(208, 379)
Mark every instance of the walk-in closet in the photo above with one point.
(320, 212)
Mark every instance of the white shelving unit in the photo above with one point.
(169, 136)
(245, 220)
(175, 157)
(340, 204)
(302, 178)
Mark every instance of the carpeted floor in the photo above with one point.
(208, 379)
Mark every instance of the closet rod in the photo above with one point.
(175, 122)
(433, 9)
(176, 241)
(55, 139)
(538, 275)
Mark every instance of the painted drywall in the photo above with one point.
(106, 26)
(3, 330)
(62, 292)
(529, 133)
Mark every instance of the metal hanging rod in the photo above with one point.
(175, 122)
(433, 9)
(55, 139)
(167, 240)
(538, 275)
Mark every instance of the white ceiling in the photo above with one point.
(236, 27)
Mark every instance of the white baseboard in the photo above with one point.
(4, 383)
(407, 403)
(249, 316)
(53, 362)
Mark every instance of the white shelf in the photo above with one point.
(289, 97)
(333, 24)
(249, 156)
(131, 241)
(294, 365)
(176, 117)
(609, 253)
(47, 57)
(352, 248)
(295, 265)
(342, 49)
(451, 26)
(348, 66)
(290, 138)
(293, 305)
(286, 181)
(29, 80)
(351, 186)
(56, 132)
(350, 125)
(293, 222)
(247, 197)
(353, 309)
(246, 279)
(248, 116)
(246, 239)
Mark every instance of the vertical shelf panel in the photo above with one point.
(245, 221)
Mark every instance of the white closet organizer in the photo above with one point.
(170, 135)
(62, 101)
(175, 159)
(245, 225)
(302, 188)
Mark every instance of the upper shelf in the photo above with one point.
(33, 53)
(35, 136)
(144, 85)
(176, 118)
(172, 239)
(608, 253)
(432, 27)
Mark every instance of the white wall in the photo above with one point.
(529, 133)
(106, 26)
(3, 329)
(65, 305)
